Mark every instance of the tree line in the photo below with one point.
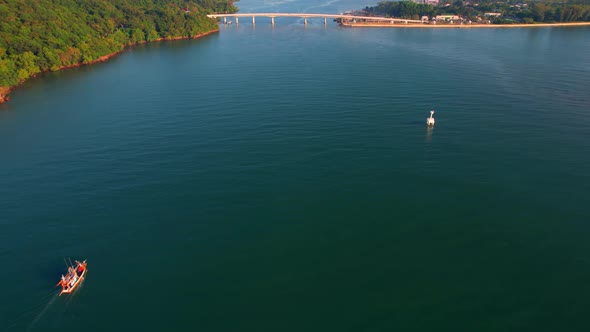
(42, 35)
(514, 11)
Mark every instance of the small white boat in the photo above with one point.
(430, 120)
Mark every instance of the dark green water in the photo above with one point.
(284, 180)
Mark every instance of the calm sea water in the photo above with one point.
(283, 179)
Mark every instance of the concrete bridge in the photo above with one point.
(305, 16)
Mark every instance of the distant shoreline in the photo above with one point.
(461, 26)
(5, 90)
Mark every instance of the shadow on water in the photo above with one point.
(6, 107)
(51, 272)
(49, 78)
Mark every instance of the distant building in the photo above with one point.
(447, 17)
(427, 2)
(424, 19)
(493, 14)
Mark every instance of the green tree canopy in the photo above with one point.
(41, 35)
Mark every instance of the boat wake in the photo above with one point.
(42, 312)
(26, 315)
(70, 284)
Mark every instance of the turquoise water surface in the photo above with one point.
(283, 179)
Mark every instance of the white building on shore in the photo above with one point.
(427, 2)
(447, 18)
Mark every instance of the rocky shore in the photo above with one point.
(4, 90)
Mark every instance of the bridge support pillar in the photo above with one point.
(224, 20)
(253, 20)
(305, 20)
(272, 20)
(325, 21)
(237, 21)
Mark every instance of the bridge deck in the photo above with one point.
(315, 15)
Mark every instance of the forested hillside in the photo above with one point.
(41, 35)
(513, 11)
